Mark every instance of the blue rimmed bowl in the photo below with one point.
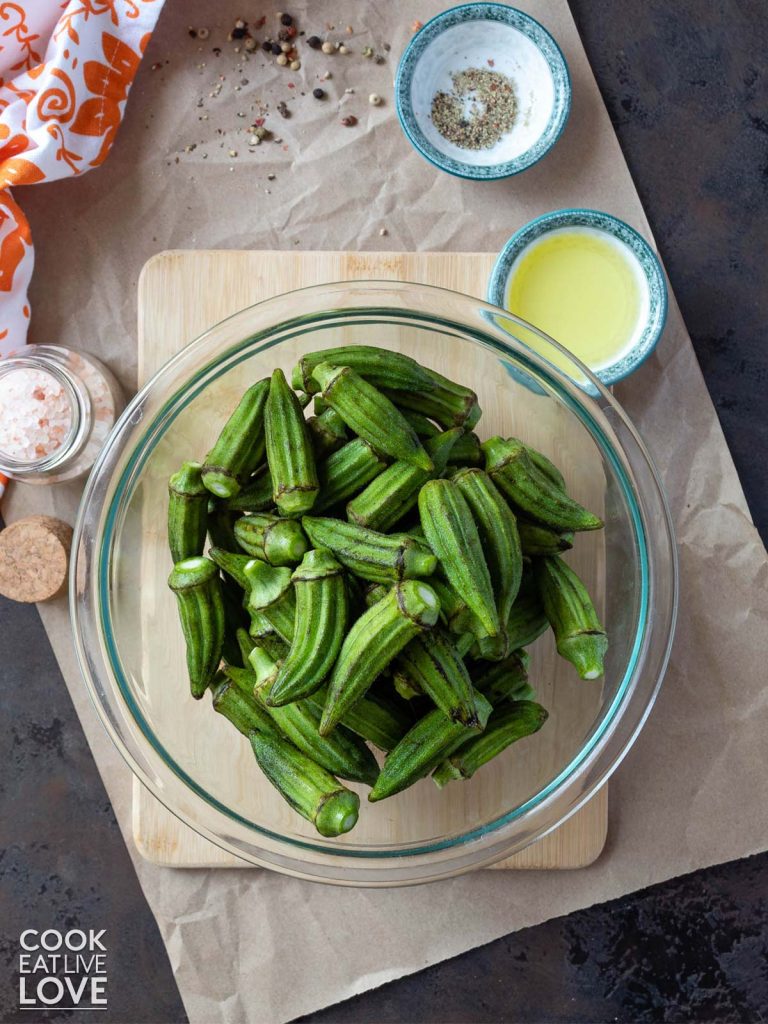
(131, 651)
(483, 35)
(643, 260)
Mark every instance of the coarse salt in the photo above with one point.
(35, 414)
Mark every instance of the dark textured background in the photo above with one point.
(686, 84)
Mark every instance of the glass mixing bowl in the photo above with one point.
(130, 646)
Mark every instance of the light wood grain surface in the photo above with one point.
(181, 294)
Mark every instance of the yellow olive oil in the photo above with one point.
(583, 288)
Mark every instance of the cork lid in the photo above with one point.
(34, 555)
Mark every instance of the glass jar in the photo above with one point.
(56, 409)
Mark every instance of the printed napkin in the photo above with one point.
(65, 72)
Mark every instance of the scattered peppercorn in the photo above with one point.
(237, 33)
(349, 121)
(368, 52)
(286, 19)
(282, 109)
(319, 94)
(203, 33)
(295, 65)
(375, 100)
(327, 47)
(250, 44)
(192, 32)
(266, 46)
(343, 49)
(275, 48)
(282, 60)
(285, 47)
(315, 42)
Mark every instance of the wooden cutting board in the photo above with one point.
(181, 294)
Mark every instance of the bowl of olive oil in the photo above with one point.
(589, 281)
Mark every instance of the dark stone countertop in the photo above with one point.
(686, 84)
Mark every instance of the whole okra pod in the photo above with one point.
(579, 636)
(506, 726)
(346, 472)
(379, 557)
(424, 746)
(497, 527)
(369, 414)
(196, 584)
(382, 368)
(393, 493)
(449, 403)
(343, 754)
(240, 445)
(452, 535)
(373, 641)
(187, 512)
(512, 470)
(320, 623)
(432, 664)
(309, 789)
(289, 450)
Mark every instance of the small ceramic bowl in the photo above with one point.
(501, 38)
(647, 268)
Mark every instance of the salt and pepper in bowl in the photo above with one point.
(483, 91)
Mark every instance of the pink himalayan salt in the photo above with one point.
(35, 414)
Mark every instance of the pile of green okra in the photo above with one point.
(373, 575)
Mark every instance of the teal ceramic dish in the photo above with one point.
(647, 267)
(485, 35)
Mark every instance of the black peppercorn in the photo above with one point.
(319, 94)
(266, 46)
(286, 19)
(315, 42)
(237, 33)
(277, 49)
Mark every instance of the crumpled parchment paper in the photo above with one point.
(249, 945)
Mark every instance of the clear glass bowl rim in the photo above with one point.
(89, 592)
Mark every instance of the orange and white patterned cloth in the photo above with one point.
(65, 71)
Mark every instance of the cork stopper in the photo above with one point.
(34, 553)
